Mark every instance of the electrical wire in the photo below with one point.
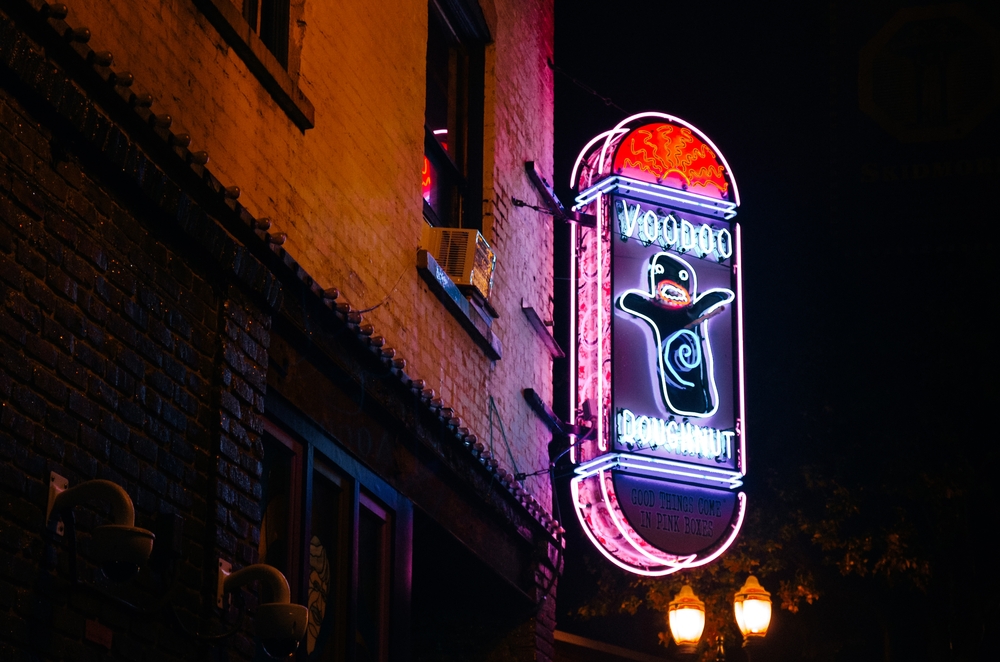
(586, 88)
(557, 511)
(386, 298)
(549, 469)
(503, 433)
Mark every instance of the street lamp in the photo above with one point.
(686, 616)
(753, 612)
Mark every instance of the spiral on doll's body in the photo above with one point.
(682, 354)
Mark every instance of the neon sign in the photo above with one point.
(677, 316)
(673, 156)
(675, 437)
(673, 233)
(659, 347)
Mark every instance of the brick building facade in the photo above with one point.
(253, 346)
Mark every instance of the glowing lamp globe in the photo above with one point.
(753, 609)
(686, 616)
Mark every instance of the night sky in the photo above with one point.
(869, 237)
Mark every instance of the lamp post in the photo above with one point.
(753, 613)
(686, 617)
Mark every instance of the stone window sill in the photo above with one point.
(237, 33)
(475, 320)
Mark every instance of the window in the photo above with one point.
(336, 541)
(328, 571)
(260, 34)
(280, 484)
(269, 19)
(453, 121)
(374, 526)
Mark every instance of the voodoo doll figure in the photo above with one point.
(678, 317)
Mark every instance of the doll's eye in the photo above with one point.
(682, 274)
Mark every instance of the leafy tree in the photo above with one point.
(875, 542)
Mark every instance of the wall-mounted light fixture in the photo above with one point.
(280, 624)
(119, 548)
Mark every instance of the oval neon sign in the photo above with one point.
(658, 350)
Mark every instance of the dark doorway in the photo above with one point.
(461, 609)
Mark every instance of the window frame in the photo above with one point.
(293, 526)
(463, 161)
(264, 18)
(280, 81)
(362, 489)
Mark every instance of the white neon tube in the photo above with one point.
(741, 358)
(702, 330)
(699, 473)
(579, 159)
(670, 195)
(623, 528)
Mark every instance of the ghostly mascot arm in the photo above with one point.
(708, 304)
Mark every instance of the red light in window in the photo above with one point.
(427, 180)
(442, 137)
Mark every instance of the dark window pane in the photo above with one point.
(269, 19)
(274, 28)
(440, 80)
(372, 565)
(276, 505)
(327, 572)
(250, 13)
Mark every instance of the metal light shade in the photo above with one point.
(686, 616)
(753, 609)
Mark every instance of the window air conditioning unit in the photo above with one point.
(465, 257)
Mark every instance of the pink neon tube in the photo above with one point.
(573, 312)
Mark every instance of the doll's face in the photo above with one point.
(672, 294)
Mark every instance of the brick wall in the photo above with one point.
(347, 192)
(125, 354)
(134, 329)
(521, 124)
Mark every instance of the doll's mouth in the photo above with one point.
(671, 294)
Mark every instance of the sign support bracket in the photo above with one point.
(551, 201)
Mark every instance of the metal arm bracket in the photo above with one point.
(551, 201)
